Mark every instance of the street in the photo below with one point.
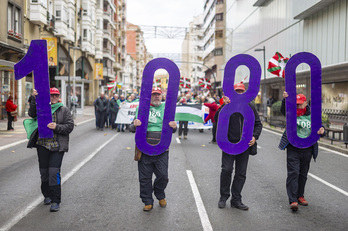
(100, 188)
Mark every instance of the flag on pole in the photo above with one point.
(205, 83)
(276, 65)
(185, 82)
(156, 83)
(111, 86)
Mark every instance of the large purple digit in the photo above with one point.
(239, 103)
(36, 61)
(169, 110)
(290, 88)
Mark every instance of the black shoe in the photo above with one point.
(239, 205)
(47, 201)
(222, 203)
(118, 130)
(102, 129)
(54, 207)
(98, 128)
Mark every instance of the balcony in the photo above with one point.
(107, 54)
(109, 36)
(37, 13)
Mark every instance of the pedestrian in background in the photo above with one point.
(107, 113)
(10, 107)
(213, 107)
(120, 101)
(298, 159)
(149, 165)
(50, 151)
(113, 111)
(183, 125)
(235, 129)
(101, 106)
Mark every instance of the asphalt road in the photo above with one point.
(101, 191)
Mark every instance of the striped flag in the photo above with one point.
(185, 82)
(276, 65)
(111, 86)
(156, 83)
(205, 83)
(189, 112)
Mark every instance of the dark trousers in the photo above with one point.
(241, 163)
(214, 132)
(49, 166)
(10, 119)
(147, 166)
(101, 118)
(96, 119)
(298, 162)
(181, 124)
(113, 116)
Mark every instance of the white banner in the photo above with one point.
(126, 113)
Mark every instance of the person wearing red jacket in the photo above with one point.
(10, 107)
(213, 107)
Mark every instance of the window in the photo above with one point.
(84, 34)
(219, 17)
(14, 21)
(58, 15)
(219, 34)
(219, 2)
(218, 52)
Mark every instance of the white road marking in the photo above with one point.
(178, 140)
(199, 203)
(39, 200)
(258, 146)
(328, 184)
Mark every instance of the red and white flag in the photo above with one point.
(205, 83)
(156, 83)
(276, 65)
(111, 86)
(185, 82)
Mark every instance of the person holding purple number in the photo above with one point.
(298, 159)
(235, 129)
(158, 164)
(50, 151)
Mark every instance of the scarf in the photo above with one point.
(301, 112)
(31, 125)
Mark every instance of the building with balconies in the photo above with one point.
(214, 24)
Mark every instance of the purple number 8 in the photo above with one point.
(290, 86)
(144, 106)
(239, 103)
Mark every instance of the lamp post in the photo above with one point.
(264, 98)
(69, 85)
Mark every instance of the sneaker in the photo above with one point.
(47, 201)
(302, 201)
(294, 206)
(54, 207)
(185, 137)
(239, 205)
(147, 207)
(222, 203)
(163, 203)
(180, 137)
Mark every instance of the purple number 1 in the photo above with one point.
(239, 103)
(36, 61)
(169, 110)
(290, 88)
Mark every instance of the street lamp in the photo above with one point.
(264, 99)
(69, 86)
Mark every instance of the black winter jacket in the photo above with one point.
(65, 125)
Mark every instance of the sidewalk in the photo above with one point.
(19, 134)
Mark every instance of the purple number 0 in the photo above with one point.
(290, 88)
(36, 61)
(239, 103)
(144, 106)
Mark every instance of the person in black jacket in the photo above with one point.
(298, 159)
(241, 160)
(50, 151)
(101, 105)
(113, 111)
